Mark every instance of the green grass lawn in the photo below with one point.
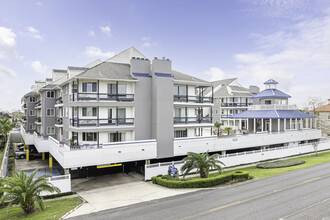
(53, 210)
(311, 160)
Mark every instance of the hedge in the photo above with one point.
(200, 183)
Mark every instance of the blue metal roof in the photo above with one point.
(270, 81)
(271, 93)
(274, 114)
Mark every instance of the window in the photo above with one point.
(180, 133)
(33, 99)
(32, 126)
(112, 88)
(222, 111)
(89, 111)
(116, 137)
(216, 111)
(89, 87)
(230, 111)
(50, 94)
(236, 111)
(51, 130)
(50, 112)
(268, 102)
(180, 90)
(32, 113)
(74, 88)
(92, 136)
(121, 89)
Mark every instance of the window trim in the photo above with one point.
(35, 113)
(85, 136)
(48, 114)
(50, 92)
(52, 127)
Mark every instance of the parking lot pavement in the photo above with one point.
(116, 190)
(23, 165)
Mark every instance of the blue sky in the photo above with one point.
(253, 40)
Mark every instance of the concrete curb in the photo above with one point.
(69, 212)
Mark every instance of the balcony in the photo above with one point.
(192, 99)
(59, 121)
(235, 104)
(192, 120)
(38, 120)
(24, 118)
(102, 97)
(58, 101)
(24, 106)
(273, 107)
(78, 122)
(38, 104)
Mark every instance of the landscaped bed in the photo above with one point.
(280, 164)
(54, 209)
(172, 182)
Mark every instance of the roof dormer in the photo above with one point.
(270, 84)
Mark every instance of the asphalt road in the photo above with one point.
(301, 194)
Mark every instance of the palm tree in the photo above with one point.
(228, 129)
(202, 162)
(25, 190)
(5, 127)
(217, 125)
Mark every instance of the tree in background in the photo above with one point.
(314, 102)
(5, 127)
(228, 129)
(25, 190)
(217, 125)
(202, 162)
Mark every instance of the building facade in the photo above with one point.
(323, 115)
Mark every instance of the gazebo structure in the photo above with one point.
(271, 112)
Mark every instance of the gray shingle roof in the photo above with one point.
(184, 77)
(60, 71)
(107, 70)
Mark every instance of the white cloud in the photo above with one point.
(147, 42)
(33, 33)
(91, 33)
(106, 30)
(7, 43)
(215, 73)
(38, 67)
(97, 52)
(297, 57)
(4, 71)
(40, 4)
(146, 38)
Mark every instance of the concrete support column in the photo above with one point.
(301, 124)
(254, 125)
(240, 124)
(311, 123)
(307, 125)
(290, 123)
(223, 153)
(66, 171)
(147, 162)
(270, 125)
(278, 125)
(262, 125)
(315, 123)
(296, 124)
(284, 124)
(27, 154)
(43, 155)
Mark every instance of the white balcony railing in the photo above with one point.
(272, 107)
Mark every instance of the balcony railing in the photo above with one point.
(192, 120)
(102, 97)
(79, 122)
(59, 120)
(58, 100)
(193, 99)
(24, 106)
(235, 104)
(273, 107)
(38, 120)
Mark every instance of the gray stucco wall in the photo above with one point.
(30, 119)
(142, 99)
(162, 108)
(47, 121)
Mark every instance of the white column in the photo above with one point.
(278, 125)
(285, 124)
(301, 123)
(240, 124)
(307, 124)
(315, 123)
(247, 125)
(254, 125)
(270, 125)
(262, 125)
(296, 123)
(311, 123)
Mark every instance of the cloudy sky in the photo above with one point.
(254, 40)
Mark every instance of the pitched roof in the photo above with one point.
(273, 114)
(271, 81)
(126, 56)
(77, 68)
(271, 93)
(184, 77)
(324, 108)
(107, 70)
(60, 71)
(223, 81)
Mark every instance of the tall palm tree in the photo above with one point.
(5, 127)
(202, 162)
(217, 125)
(25, 190)
(228, 129)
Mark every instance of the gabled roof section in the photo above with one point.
(324, 108)
(126, 56)
(77, 68)
(187, 78)
(94, 63)
(107, 70)
(59, 71)
(273, 114)
(271, 93)
(224, 82)
(270, 81)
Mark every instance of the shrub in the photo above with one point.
(200, 183)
